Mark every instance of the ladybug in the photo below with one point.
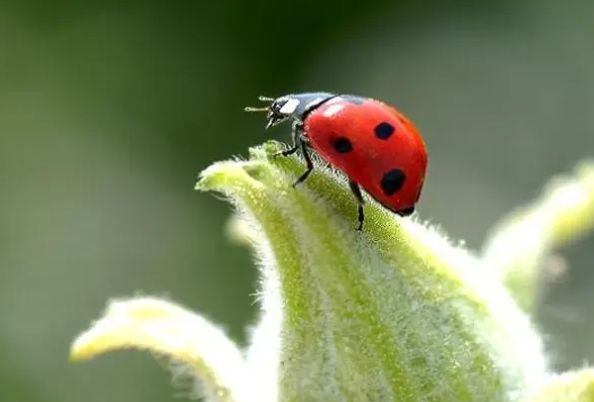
(374, 144)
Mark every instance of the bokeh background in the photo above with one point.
(108, 110)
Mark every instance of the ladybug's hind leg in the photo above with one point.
(356, 190)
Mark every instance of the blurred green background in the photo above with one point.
(108, 110)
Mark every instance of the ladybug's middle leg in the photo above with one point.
(310, 166)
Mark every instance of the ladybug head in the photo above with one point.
(295, 106)
(279, 110)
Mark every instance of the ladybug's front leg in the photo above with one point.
(295, 135)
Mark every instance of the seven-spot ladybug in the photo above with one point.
(376, 146)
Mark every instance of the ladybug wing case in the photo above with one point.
(374, 145)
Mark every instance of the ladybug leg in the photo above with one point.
(308, 162)
(299, 144)
(296, 134)
(356, 190)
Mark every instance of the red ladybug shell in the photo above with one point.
(374, 145)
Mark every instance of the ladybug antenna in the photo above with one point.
(260, 109)
(256, 109)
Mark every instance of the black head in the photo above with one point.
(287, 107)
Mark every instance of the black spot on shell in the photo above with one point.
(342, 145)
(392, 181)
(384, 130)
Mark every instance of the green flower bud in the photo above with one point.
(393, 313)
